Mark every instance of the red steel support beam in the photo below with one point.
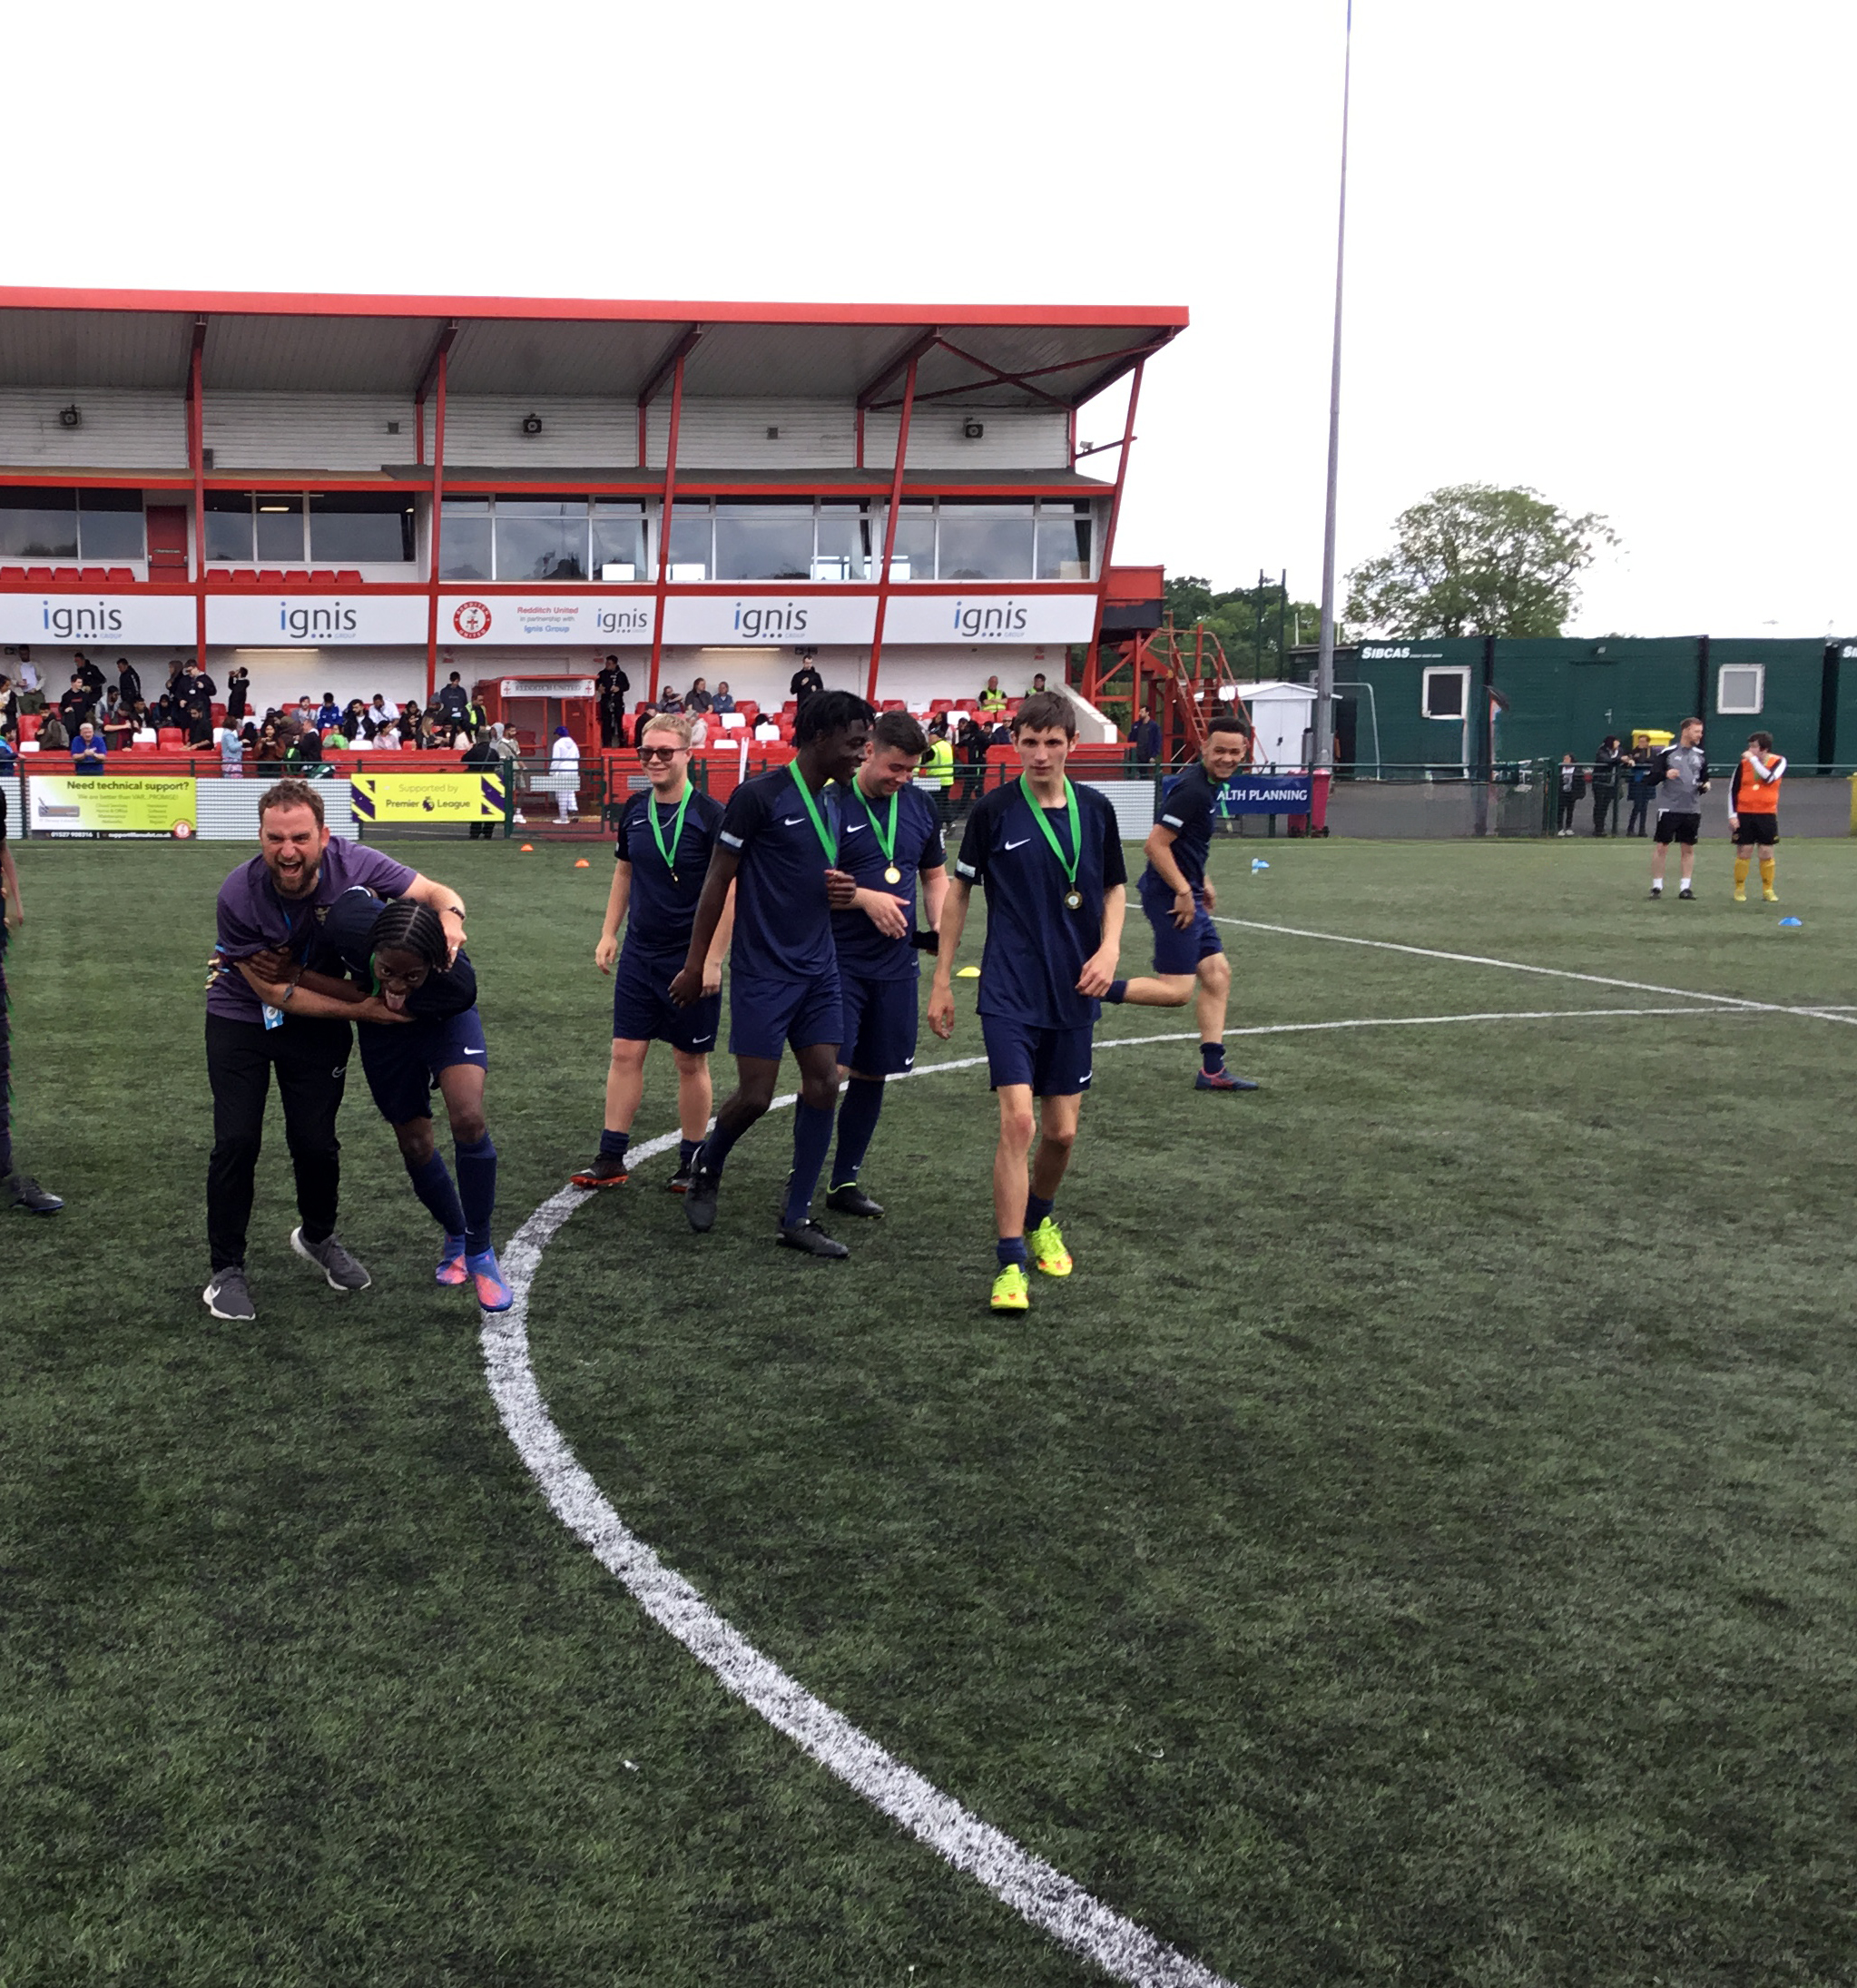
(917, 349)
(196, 450)
(664, 511)
(1089, 684)
(427, 373)
(436, 534)
(895, 499)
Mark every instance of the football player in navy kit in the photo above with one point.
(1048, 855)
(666, 837)
(777, 844)
(1178, 898)
(892, 837)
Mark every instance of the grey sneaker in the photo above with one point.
(228, 1295)
(344, 1274)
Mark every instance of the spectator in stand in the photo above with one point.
(52, 736)
(328, 713)
(971, 748)
(564, 774)
(699, 699)
(238, 693)
(9, 702)
(609, 688)
(668, 703)
(76, 705)
(937, 726)
(142, 718)
(88, 750)
(992, 698)
(90, 675)
(269, 752)
(805, 682)
(1001, 735)
(476, 718)
(354, 721)
(1037, 689)
(375, 714)
(699, 733)
(305, 755)
(196, 701)
(482, 757)
(177, 670)
(1609, 766)
(722, 702)
(388, 739)
(32, 687)
(231, 753)
(646, 709)
(128, 681)
(115, 720)
(454, 699)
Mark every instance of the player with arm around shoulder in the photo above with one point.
(891, 842)
(1048, 855)
(1753, 814)
(1178, 900)
(661, 858)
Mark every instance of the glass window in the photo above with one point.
(1741, 689)
(844, 543)
(985, 541)
(279, 526)
(913, 555)
(229, 526)
(464, 539)
(109, 524)
(763, 541)
(38, 524)
(690, 542)
(1064, 541)
(619, 541)
(361, 528)
(541, 537)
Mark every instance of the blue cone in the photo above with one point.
(1257, 863)
(1786, 921)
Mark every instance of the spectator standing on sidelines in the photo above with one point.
(804, 683)
(31, 685)
(269, 906)
(231, 753)
(563, 774)
(482, 757)
(1682, 779)
(1573, 784)
(76, 705)
(90, 677)
(1608, 765)
(609, 688)
(1642, 789)
(238, 693)
(1753, 814)
(20, 1190)
(128, 681)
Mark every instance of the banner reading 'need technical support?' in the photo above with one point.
(109, 804)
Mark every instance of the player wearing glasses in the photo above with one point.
(661, 859)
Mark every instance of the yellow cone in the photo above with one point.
(967, 973)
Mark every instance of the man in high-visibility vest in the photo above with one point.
(1753, 814)
(937, 770)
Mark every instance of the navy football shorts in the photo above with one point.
(1055, 1062)
(643, 1011)
(766, 1016)
(1177, 951)
(402, 1059)
(879, 1037)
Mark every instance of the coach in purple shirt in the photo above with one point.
(260, 1022)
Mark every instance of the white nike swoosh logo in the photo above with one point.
(856, 826)
(792, 821)
(698, 1041)
(1019, 845)
(474, 1052)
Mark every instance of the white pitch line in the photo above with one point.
(1829, 1012)
(1039, 1893)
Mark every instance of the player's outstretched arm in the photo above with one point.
(687, 985)
(446, 901)
(338, 1000)
(1100, 968)
(934, 895)
(953, 919)
(618, 899)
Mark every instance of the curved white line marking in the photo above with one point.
(1039, 1892)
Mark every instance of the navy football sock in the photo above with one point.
(858, 1111)
(717, 1147)
(613, 1145)
(1211, 1057)
(1117, 989)
(1011, 1249)
(433, 1186)
(477, 1189)
(1037, 1209)
(811, 1137)
(687, 1150)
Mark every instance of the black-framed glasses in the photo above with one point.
(666, 752)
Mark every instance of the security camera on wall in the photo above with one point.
(532, 424)
(971, 432)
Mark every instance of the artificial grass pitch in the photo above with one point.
(1414, 1545)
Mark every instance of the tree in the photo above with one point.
(1246, 619)
(1473, 560)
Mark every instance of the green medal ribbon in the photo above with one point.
(825, 841)
(1073, 897)
(669, 853)
(886, 843)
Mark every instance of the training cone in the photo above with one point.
(528, 849)
(967, 973)
(581, 863)
(1257, 863)
(1787, 922)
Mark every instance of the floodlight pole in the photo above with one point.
(1325, 652)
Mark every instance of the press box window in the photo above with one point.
(94, 526)
(1741, 689)
(361, 528)
(1445, 693)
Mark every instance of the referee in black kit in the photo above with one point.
(18, 1190)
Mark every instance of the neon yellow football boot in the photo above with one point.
(1012, 1290)
(1046, 1244)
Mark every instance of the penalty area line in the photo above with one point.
(1036, 1890)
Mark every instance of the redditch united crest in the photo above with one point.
(472, 620)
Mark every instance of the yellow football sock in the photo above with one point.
(1742, 865)
(1766, 875)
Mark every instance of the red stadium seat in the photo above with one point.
(90, 576)
(120, 576)
(29, 723)
(245, 576)
(270, 577)
(170, 738)
(347, 576)
(11, 576)
(892, 703)
(41, 575)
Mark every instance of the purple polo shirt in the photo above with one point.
(253, 919)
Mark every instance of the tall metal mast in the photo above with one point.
(1325, 653)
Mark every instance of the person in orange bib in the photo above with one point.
(1753, 814)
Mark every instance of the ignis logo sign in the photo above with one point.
(310, 623)
(66, 622)
(993, 623)
(775, 619)
(625, 621)
(472, 621)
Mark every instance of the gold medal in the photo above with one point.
(1073, 900)
(892, 874)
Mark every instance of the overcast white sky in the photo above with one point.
(1601, 247)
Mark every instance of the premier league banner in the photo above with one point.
(1267, 793)
(429, 797)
